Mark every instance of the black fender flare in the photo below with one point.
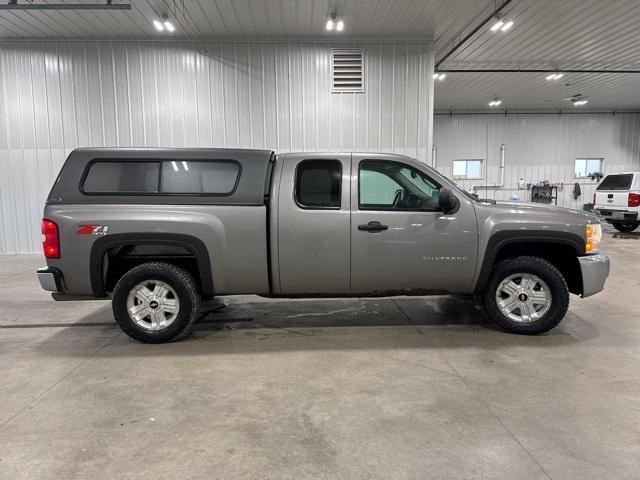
(506, 237)
(189, 242)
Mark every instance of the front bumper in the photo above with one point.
(595, 270)
(50, 279)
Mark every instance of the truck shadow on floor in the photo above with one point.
(627, 236)
(343, 312)
(327, 317)
(337, 324)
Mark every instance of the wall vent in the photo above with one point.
(347, 70)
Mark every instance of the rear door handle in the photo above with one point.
(373, 227)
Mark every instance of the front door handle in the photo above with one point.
(373, 227)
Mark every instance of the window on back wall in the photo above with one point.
(585, 167)
(467, 169)
(347, 70)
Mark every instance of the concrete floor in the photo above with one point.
(402, 388)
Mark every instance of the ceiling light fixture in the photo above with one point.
(334, 23)
(439, 76)
(501, 24)
(164, 24)
(507, 26)
(555, 76)
(578, 103)
(497, 26)
(495, 102)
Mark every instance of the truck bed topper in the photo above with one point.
(250, 188)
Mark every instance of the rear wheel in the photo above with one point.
(156, 302)
(625, 226)
(526, 295)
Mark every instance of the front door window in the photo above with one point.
(389, 185)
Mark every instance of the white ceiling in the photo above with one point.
(547, 34)
(550, 34)
(245, 18)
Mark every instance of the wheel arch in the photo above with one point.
(562, 249)
(103, 245)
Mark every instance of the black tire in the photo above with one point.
(625, 227)
(185, 290)
(545, 271)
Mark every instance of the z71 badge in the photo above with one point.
(93, 229)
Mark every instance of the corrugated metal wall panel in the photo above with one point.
(539, 147)
(57, 96)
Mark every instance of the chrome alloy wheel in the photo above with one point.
(523, 297)
(153, 305)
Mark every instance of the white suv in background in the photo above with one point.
(617, 200)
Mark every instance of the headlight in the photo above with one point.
(594, 236)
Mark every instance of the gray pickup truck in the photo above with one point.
(158, 230)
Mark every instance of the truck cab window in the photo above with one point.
(389, 185)
(318, 184)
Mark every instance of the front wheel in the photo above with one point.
(156, 303)
(526, 295)
(625, 226)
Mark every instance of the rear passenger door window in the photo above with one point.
(197, 177)
(122, 177)
(319, 184)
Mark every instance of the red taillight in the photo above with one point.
(50, 239)
(634, 200)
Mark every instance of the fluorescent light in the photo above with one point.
(159, 26)
(329, 25)
(577, 103)
(495, 103)
(507, 26)
(186, 167)
(174, 165)
(340, 26)
(439, 76)
(169, 26)
(496, 26)
(555, 76)
(559, 76)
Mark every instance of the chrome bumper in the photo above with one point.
(50, 279)
(595, 270)
(617, 215)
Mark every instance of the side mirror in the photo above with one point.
(447, 201)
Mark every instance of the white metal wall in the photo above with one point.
(56, 96)
(539, 147)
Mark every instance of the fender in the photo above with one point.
(193, 244)
(506, 237)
